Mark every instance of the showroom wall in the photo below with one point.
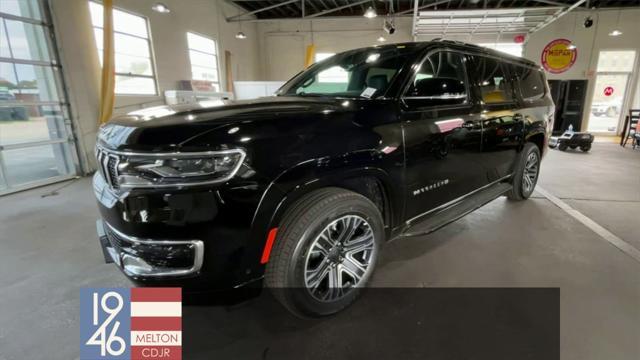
(168, 33)
(590, 42)
(283, 43)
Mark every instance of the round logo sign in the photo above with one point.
(557, 57)
(608, 91)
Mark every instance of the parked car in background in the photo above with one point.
(301, 190)
(604, 109)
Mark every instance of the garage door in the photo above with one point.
(36, 145)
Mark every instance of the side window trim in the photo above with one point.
(416, 70)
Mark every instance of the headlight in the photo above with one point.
(137, 170)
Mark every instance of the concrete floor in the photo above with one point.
(48, 251)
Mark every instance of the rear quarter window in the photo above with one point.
(531, 83)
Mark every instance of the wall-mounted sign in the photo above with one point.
(608, 91)
(557, 57)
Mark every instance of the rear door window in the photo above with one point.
(492, 80)
(531, 83)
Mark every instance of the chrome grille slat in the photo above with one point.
(108, 167)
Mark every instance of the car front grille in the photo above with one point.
(108, 166)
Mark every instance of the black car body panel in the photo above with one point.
(406, 158)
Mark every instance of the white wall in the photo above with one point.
(590, 42)
(168, 32)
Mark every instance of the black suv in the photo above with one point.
(302, 189)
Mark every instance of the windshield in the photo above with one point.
(365, 73)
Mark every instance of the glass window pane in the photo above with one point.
(97, 34)
(27, 41)
(24, 8)
(133, 65)
(201, 43)
(607, 101)
(22, 124)
(36, 83)
(200, 59)
(135, 85)
(36, 163)
(96, 14)
(204, 73)
(4, 42)
(129, 45)
(127, 23)
(493, 84)
(616, 60)
(8, 82)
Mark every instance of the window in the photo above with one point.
(531, 82)
(492, 80)
(364, 73)
(440, 80)
(132, 48)
(204, 59)
(335, 74)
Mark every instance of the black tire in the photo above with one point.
(299, 230)
(573, 147)
(585, 148)
(521, 191)
(562, 147)
(553, 146)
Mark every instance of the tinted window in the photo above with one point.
(440, 80)
(531, 83)
(364, 73)
(492, 80)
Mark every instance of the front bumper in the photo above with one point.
(150, 258)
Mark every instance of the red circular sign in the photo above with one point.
(608, 91)
(558, 57)
(518, 39)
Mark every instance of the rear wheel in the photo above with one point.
(562, 147)
(573, 147)
(325, 252)
(585, 148)
(526, 173)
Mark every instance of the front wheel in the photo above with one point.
(526, 173)
(585, 148)
(325, 252)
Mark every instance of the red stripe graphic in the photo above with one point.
(156, 324)
(156, 352)
(156, 294)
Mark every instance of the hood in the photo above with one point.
(174, 125)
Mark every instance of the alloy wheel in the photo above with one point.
(339, 258)
(530, 174)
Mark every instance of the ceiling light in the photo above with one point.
(370, 13)
(382, 39)
(615, 32)
(161, 8)
(241, 35)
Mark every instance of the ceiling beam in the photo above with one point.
(423, 7)
(262, 9)
(556, 16)
(329, 11)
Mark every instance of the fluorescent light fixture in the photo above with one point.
(370, 13)
(615, 32)
(241, 35)
(161, 8)
(382, 39)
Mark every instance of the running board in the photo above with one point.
(442, 217)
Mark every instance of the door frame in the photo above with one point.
(631, 79)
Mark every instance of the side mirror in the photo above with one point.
(437, 91)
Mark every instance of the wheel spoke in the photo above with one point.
(349, 227)
(362, 243)
(314, 277)
(353, 269)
